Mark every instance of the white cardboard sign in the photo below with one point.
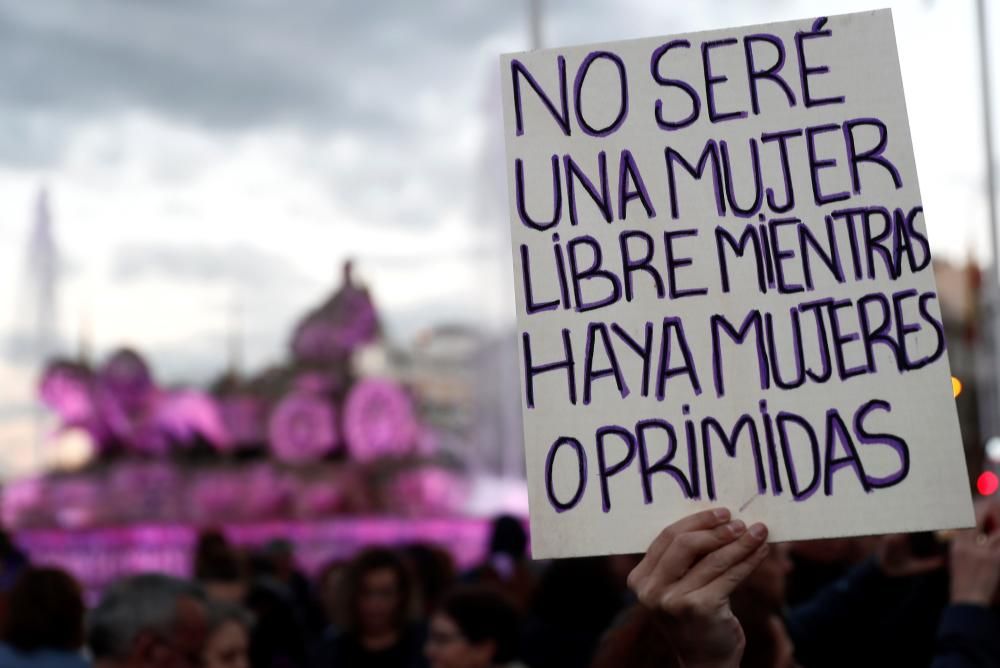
(724, 288)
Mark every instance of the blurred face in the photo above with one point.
(227, 647)
(379, 601)
(448, 648)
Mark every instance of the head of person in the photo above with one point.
(48, 612)
(376, 593)
(508, 538)
(149, 621)
(473, 628)
(433, 572)
(277, 637)
(223, 577)
(211, 544)
(281, 554)
(228, 643)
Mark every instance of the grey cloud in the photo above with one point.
(406, 323)
(235, 64)
(22, 349)
(269, 292)
(238, 263)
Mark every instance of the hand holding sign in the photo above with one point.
(724, 288)
(688, 574)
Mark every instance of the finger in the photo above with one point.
(706, 519)
(688, 548)
(720, 562)
(724, 585)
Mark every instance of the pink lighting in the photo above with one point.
(302, 428)
(183, 416)
(100, 556)
(379, 420)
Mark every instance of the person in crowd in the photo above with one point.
(211, 545)
(563, 628)
(638, 639)
(328, 584)
(507, 565)
(219, 569)
(376, 608)
(278, 638)
(280, 553)
(696, 570)
(473, 628)
(818, 563)
(45, 627)
(12, 561)
(149, 621)
(228, 643)
(433, 573)
(904, 604)
(687, 576)
(968, 633)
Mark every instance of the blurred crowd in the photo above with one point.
(708, 587)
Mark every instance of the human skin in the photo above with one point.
(688, 575)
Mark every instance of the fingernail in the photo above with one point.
(737, 527)
(758, 531)
(721, 514)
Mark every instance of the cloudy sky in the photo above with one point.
(211, 163)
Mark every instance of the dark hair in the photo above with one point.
(277, 638)
(433, 572)
(221, 612)
(46, 611)
(483, 614)
(366, 562)
(215, 559)
(557, 601)
(146, 602)
(508, 537)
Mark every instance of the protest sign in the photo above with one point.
(724, 288)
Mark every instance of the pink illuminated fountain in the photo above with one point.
(280, 453)
(302, 428)
(379, 420)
